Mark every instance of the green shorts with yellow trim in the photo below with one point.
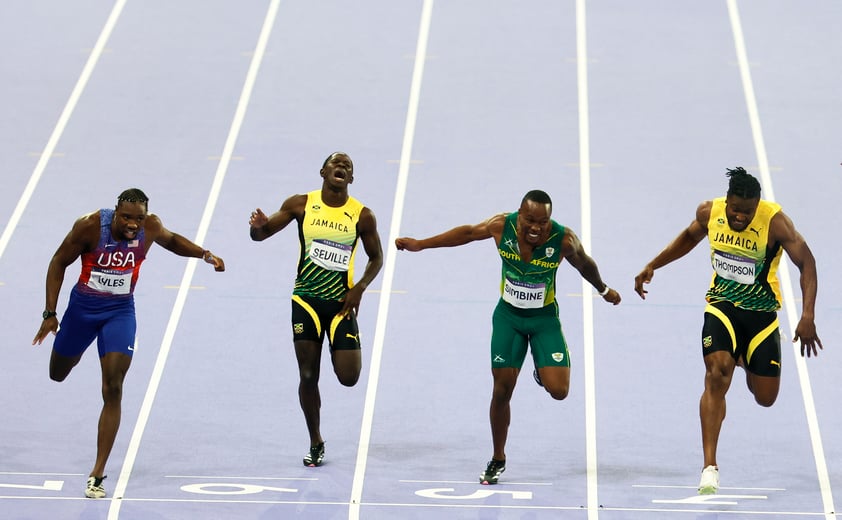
(313, 319)
(514, 330)
(751, 335)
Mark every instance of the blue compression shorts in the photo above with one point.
(111, 321)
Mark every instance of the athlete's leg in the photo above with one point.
(764, 388)
(114, 367)
(763, 365)
(556, 381)
(76, 332)
(309, 355)
(719, 369)
(551, 356)
(345, 350)
(60, 366)
(347, 365)
(500, 411)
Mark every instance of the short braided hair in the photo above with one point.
(133, 195)
(741, 184)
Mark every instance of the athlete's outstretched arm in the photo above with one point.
(460, 235)
(178, 244)
(688, 239)
(783, 230)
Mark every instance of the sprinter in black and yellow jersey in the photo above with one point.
(531, 246)
(325, 299)
(747, 236)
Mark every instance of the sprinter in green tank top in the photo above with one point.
(326, 300)
(747, 236)
(531, 246)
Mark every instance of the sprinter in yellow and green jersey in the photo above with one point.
(326, 299)
(747, 236)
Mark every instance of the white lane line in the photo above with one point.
(184, 288)
(49, 150)
(783, 269)
(389, 266)
(585, 236)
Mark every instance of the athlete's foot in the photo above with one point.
(316, 456)
(492, 472)
(94, 487)
(709, 484)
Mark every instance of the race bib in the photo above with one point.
(524, 295)
(734, 267)
(111, 282)
(331, 255)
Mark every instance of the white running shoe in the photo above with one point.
(95, 489)
(710, 481)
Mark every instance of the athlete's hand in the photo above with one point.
(408, 244)
(50, 325)
(612, 296)
(258, 218)
(351, 301)
(644, 277)
(806, 332)
(217, 263)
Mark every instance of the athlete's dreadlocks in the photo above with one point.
(741, 184)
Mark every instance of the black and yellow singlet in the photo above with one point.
(529, 285)
(744, 263)
(328, 239)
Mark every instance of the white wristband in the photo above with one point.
(605, 291)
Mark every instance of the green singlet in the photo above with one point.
(527, 312)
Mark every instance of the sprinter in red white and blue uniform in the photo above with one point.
(112, 244)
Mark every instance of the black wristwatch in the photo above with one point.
(48, 314)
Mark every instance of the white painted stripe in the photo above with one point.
(184, 288)
(783, 270)
(389, 265)
(240, 477)
(49, 150)
(585, 237)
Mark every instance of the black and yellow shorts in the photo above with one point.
(751, 335)
(516, 330)
(313, 319)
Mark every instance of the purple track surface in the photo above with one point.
(451, 111)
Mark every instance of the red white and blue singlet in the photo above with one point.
(101, 305)
(111, 269)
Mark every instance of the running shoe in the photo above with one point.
(95, 489)
(710, 481)
(316, 456)
(537, 377)
(492, 472)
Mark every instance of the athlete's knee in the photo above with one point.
(58, 375)
(765, 397)
(502, 393)
(718, 372)
(558, 392)
(309, 378)
(765, 400)
(112, 389)
(348, 379)
(60, 368)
